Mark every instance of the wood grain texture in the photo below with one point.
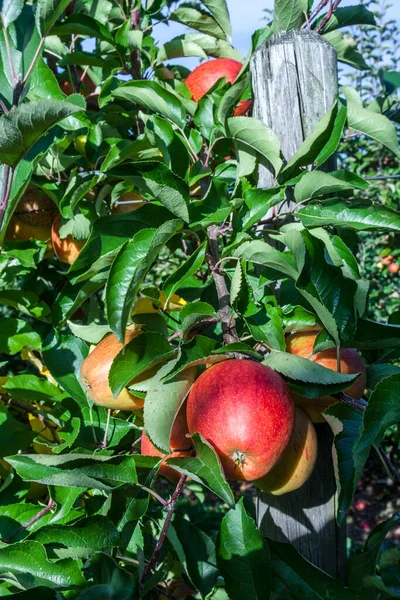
(294, 78)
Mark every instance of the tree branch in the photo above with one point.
(224, 312)
(359, 404)
(51, 504)
(171, 507)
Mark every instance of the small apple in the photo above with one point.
(203, 77)
(243, 108)
(66, 249)
(246, 411)
(386, 260)
(86, 87)
(32, 218)
(297, 461)
(128, 202)
(179, 443)
(302, 343)
(95, 370)
(394, 268)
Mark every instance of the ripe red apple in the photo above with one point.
(246, 411)
(243, 108)
(95, 370)
(297, 461)
(302, 343)
(179, 443)
(66, 249)
(203, 77)
(394, 268)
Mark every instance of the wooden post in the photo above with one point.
(294, 78)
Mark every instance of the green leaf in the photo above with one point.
(191, 44)
(318, 380)
(196, 352)
(27, 303)
(195, 313)
(32, 388)
(267, 326)
(83, 25)
(204, 468)
(374, 125)
(112, 582)
(320, 144)
(363, 565)
(360, 215)
(184, 272)
(163, 401)
(161, 183)
(289, 14)
(345, 47)
(47, 13)
(377, 372)
(200, 562)
(82, 539)
(302, 579)
(10, 11)
(371, 335)
(318, 183)
(143, 352)
(26, 124)
(129, 269)
(81, 58)
(198, 19)
(254, 134)
(219, 10)
(345, 422)
(28, 562)
(153, 97)
(16, 436)
(63, 357)
(258, 203)
(16, 334)
(243, 557)
(346, 16)
(261, 253)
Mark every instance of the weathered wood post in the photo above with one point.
(294, 78)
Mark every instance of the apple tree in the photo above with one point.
(145, 274)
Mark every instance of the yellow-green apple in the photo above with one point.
(203, 77)
(179, 443)
(96, 368)
(246, 411)
(297, 461)
(66, 249)
(301, 343)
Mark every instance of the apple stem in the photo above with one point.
(170, 508)
(104, 444)
(224, 312)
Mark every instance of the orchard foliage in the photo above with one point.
(95, 114)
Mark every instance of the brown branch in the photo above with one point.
(51, 504)
(224, 312)
(333, 6)
(171, 507)
(359, 404)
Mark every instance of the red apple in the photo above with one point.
(203, 77)
(243, 108)
(66, 249)
(302, 343)
(394, 268)
(179, 443)
(386, 260)
(297, 461)
(246, 411)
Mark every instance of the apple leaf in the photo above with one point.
(318, 183)
(320, 144)
(194, 313)
(374, 125)
(140, 354)
(360, 215)
(28, 562)
(134, 259)
(154, 97)
(204, 468)
(257, 136)
(32, 388)
(289, 15)
(16, 334)
(28, 303)
(307, 378)
(261, 253)
(243, 556)
(26, 124)
(377, 372)
(346, 16)
(47, 13)
(184, 272)
(198, 19)
(10, 11)
(219, 10)
(345, 47)
(194, 353)
(17, 436)
(163, 401)
(83, 25)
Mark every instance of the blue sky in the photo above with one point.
(246, 17)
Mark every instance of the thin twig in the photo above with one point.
(153, 493)
(51, 504)
(171, 507)
(359, 404)
(388, 465)
(104, 443)
(224, 259)
(224, 312)
(8, 177)
(333, 6)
